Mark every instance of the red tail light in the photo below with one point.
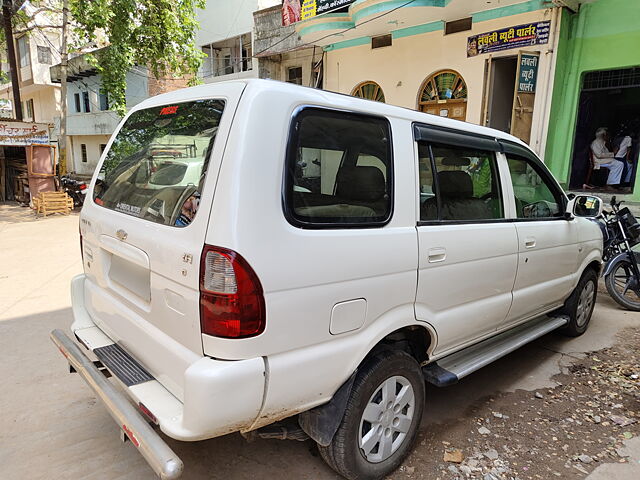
(83, 186)
(231, 297)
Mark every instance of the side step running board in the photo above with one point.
(448, 370)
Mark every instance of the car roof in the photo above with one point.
(299, 93)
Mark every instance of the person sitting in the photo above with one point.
(622, 145)
(605, 158)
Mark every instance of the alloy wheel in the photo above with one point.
(386, 419)
(585, 304)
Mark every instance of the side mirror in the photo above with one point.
(585, 206)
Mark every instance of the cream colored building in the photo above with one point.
(35, 53)
(420, 55)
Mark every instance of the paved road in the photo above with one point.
(51, 426)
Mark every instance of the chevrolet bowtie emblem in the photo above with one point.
(121, 234)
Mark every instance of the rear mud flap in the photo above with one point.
(321, 423)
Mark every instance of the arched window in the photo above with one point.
(369, 90)
(445, 94)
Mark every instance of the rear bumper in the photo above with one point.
(160, 457)
(219, 397)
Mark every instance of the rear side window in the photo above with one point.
(465, 186)
(339, 170)
(156, 166)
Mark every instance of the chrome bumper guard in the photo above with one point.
(156, 452)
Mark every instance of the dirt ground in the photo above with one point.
(52, 426)
(560, 432)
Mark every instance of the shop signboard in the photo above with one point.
(528, 73)
(21, 134)
(295, 10)
(519, 36)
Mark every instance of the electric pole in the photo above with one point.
(7, 12)
(64, 63)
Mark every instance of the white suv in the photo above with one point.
(326, 257)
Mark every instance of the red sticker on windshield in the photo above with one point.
(169, 110)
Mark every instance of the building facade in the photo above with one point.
(597, 85)
(227, 40)
(90, 121)
(280, 52)
(485, 62)
(35, 52)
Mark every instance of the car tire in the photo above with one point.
(381, 419)
(579, 306)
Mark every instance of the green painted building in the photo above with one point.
(597, 84)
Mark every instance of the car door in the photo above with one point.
(467, 247)
(547, 241)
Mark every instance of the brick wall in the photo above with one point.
(165, 84)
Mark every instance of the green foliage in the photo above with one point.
(157, 34)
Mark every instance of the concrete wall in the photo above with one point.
(41, 70)
(137, 90)
(401, 68)
(93, 152)
(46, 102)
(604, 35)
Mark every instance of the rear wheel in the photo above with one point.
(623, 286)
(381, 419)
(579, 306)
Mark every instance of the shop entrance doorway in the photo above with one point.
(610, 99)
(510, 89)
(501, 89)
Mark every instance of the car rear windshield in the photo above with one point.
(156, 166)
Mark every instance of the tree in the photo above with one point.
(157, 34)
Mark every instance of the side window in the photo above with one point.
(535, 197)
(465, 185)
(338, 170)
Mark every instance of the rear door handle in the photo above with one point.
(529, 242)
(436, 255)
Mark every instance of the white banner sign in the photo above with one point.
(20, 134)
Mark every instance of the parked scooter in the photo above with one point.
(76, 189)
(621, 273)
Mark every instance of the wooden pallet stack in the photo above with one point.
(46, 203)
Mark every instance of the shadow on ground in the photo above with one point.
(52, 425)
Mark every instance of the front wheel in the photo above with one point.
(579, 306)
(623, 286)
(381, 420)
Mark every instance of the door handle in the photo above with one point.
(436, 255)
(529, 242)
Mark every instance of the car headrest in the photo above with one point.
(364, 184)
(455, 183)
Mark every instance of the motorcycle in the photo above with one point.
(76, 189)
(621, 232)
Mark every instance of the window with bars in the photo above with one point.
(445, 94)
(83, 152)
(369, 90)
(603, 79)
